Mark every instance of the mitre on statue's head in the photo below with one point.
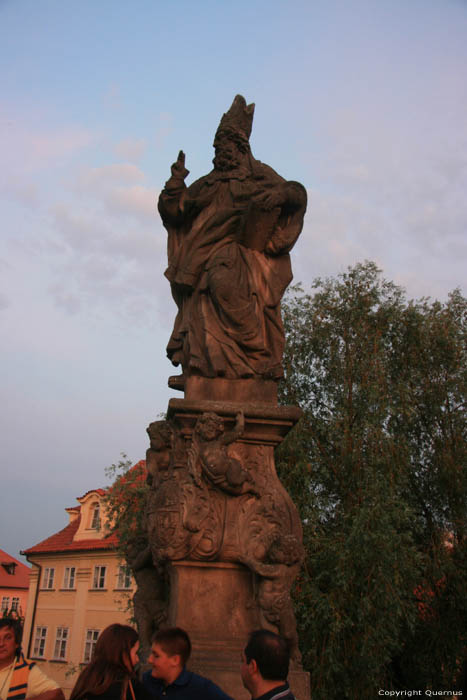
(238, 120)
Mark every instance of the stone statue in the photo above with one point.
(277, 564)
(150, 600)
(229, 237)
(158, 454)
(209, 455)
(224, 539)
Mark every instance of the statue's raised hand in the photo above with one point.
(178, 169)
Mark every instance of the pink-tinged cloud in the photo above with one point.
(136, 200)
(25, 149)
(22, 191)
(58, 144)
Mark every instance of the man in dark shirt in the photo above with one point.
(169, 678)
(265, 666)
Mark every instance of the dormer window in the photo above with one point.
(10, 567)
(95, 516)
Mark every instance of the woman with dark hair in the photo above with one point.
(110, 675)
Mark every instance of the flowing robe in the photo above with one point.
(229, 266)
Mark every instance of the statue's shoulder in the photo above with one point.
(261, 171)
(201, 182)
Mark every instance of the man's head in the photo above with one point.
(265, 660)
(170, 650)
(11, 632)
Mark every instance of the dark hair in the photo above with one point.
(15, 625)
(110, 661)
(271, 653)
(173, 640)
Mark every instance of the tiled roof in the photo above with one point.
(63, 541)
(18, 579)
(101, 492)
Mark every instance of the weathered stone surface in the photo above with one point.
(216, 602)
(224, 537)
(229, 237)
(264, 423)
(218, 499)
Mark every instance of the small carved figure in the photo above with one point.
(229, 237)
(276, 560)
(150, 598)
(210, 453)
(158, 454)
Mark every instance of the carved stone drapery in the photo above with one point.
(229, 238)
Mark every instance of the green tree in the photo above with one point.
(125, 501)
(377, 469)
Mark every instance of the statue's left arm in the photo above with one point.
(291, 198)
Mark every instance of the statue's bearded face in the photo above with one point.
(228, 156)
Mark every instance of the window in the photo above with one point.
(14, 604)
(96, 517)
(99, 577)
(90, 643)
(124, 577)
(5, 602)
(10, 567)
(39, 642)
(48, 579)
(61, 639)
(69, 577)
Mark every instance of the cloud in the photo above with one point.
(107, 175)
(130, 149)
(4, 301)
(136, 200)
(113, 188)
(108, 248)
(164, 129)
(28, 149)
(113, 97)
(23, 192)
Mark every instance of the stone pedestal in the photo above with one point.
(215, 603)
(214, 596)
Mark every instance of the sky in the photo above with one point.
(363, 102)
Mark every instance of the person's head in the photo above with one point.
(114, 658)
(265, 658)
(11, 631)
(170, 651)
(117, 646)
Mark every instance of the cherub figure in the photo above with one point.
(276, 560)
(210, 457)
(150, 603)
(158, 455)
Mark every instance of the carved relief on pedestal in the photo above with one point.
(210, 458)
(215, 497)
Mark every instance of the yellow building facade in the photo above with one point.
(14, 585)
(78, 586)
